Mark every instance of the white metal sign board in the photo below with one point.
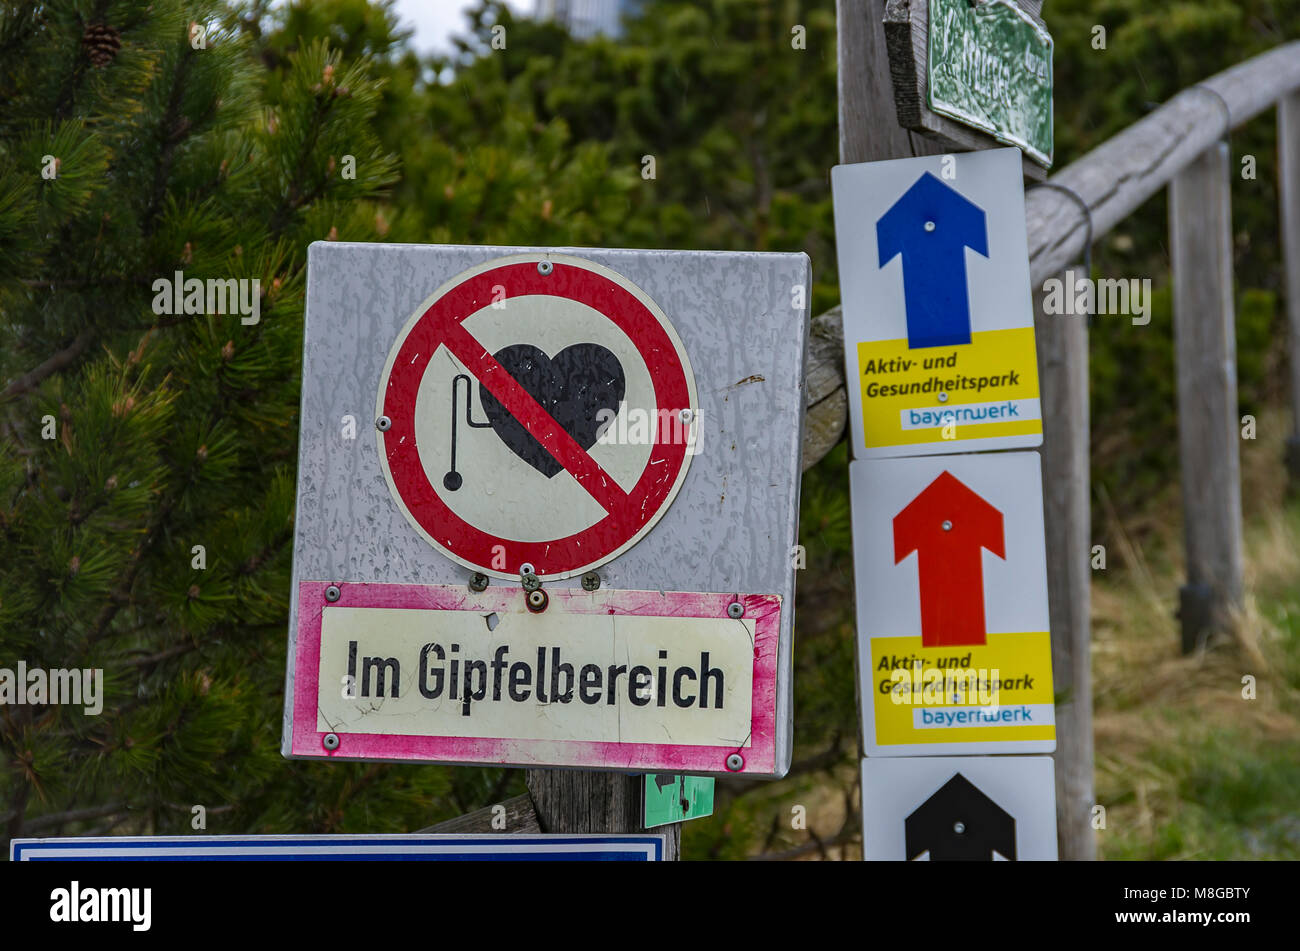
(938, 318)
(959, 808)
(526, 534)
(325, 848)
(954, 651)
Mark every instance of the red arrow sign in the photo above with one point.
(947, 525)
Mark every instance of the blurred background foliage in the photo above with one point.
(229, 169)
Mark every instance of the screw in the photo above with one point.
(537, 601)
(959, 827)
(929, 226)
(735, 761)
(383, 424)
(545, 267)
(735, 610)
(531, 582)
(686, 416)
(943, 397)
(332, 593)
(947, 525)
(478, 581)
(331, 742)
(590, 581)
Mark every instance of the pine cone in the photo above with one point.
(101, 43)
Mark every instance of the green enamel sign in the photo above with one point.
(672, 797)
(991, 68)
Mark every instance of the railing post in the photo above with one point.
(1063, 383)
(1200, 224)
(1288, 152)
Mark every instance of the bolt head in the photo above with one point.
(947, 525)
(590, 581)
(686, 416)
(332, 593)
(943, 397)
(735, 610)
(383, 424)
(536, 601)
(478, 581)
(545, 267)
(330, 742)
(531, 582)
(734, 762)
(527, 568)
(959, 827)
(929, 226)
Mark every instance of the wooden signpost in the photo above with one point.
(962, 92)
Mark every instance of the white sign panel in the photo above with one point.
(954, 651)
(326, 848)
(960, 808)
(526, 533)
(938, 318)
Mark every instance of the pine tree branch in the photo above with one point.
(110, 280)
(272, 549)
(121, 595)
(106, 829)
(32, 378)
(295, 200)
(76, 815)
(159, 657)
(67, 94)
(171, 131)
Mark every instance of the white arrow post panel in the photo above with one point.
(959, 808)
(939, 350)
(954, 652)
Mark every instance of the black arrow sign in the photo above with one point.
(959, 823)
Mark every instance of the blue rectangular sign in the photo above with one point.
(343, 848)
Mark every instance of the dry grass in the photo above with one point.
(1162, 719)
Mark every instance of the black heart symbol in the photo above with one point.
(573, 386)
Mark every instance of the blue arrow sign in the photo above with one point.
(931, 226)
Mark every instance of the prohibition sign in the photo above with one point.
(530, 283)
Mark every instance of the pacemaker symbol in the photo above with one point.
(573, 387)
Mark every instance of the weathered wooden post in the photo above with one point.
(1200, 224)
(1288, 151)
(1067, 513)
(579, 800)
(869, 129)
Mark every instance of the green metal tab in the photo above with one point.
(672, 797)
(991, 68)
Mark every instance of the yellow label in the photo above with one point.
(986, 388)
(997, 692)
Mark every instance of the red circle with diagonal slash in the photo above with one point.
(439, 324)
